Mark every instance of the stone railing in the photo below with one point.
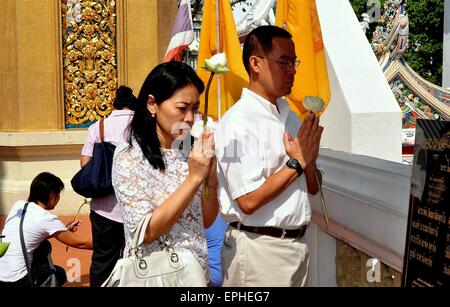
(367, 201)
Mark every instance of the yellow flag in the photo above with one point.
(299, 17)
(232, 82)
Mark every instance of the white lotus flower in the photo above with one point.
(197, 128)
(313, 103)
(216, 64)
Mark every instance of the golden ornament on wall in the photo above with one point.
(89, 60)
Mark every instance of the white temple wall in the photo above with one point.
(363, 116)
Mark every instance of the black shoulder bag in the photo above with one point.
(42, 268)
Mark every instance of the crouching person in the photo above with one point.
(27, 227)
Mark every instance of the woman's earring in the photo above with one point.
(153, 115)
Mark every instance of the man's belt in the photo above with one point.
(272, 231)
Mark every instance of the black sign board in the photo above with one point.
(427, 252)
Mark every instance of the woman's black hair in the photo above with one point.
(162, 82)
(43, 185)
(124, 98)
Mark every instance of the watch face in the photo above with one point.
(292, 163)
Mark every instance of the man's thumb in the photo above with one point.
(287, 138)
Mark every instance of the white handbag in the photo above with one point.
(165, 268)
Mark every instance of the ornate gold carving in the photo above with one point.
(440, 144)
(352, 269)
(89, 59)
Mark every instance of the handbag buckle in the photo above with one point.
(142, 264)
(137, 251)
(174, 257)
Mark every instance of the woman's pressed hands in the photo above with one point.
(201, 157)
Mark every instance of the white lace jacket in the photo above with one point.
(140, 189)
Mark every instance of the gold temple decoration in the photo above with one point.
(440, 144)
(89, 59)
(352, 269)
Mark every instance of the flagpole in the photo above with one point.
(218, 51)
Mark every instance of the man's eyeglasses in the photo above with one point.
(286, 63)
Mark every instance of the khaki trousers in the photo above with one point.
(253, 260)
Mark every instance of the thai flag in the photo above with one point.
(182, 32)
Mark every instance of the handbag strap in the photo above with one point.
(139, 235)
(102, 129)
(22, 243)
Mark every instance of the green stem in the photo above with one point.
(205, 111)
(322, 199)
(205, 122)
(77, 215)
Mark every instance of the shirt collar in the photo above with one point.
(34, 205)
(280, 113)
(121, 112)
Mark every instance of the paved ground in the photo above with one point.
(76, 262)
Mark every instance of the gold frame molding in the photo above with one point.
(121, 13)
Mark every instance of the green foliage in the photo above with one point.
(360, 7)
(426, 27)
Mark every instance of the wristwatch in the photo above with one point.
(294, 164)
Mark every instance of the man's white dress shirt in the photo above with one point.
(250, 148)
